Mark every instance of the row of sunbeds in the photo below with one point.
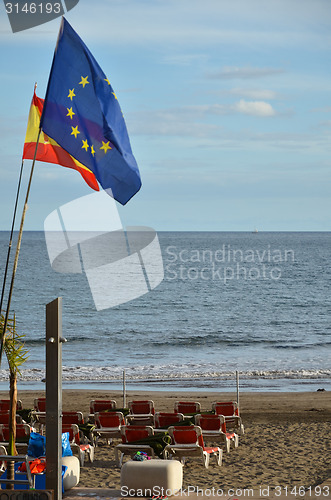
(222, 423)
(140, 422)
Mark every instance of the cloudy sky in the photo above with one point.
(228, 107)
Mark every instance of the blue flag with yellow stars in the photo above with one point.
(82, 114)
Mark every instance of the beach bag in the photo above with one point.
(66, 449)
(37, 445)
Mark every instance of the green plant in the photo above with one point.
(16, 354)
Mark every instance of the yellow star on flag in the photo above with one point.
(92, 150)
(114, 95)
(105, 146)
(85, 145)
(75, 131)
(70, 113)
(84, 81)
(71, 94)
(106, 80)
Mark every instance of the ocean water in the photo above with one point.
(256, 303)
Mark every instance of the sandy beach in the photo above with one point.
(286, 441)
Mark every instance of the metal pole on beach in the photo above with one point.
(54, 341)
(237, 381)
(124, 390)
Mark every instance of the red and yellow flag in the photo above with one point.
(49, 150)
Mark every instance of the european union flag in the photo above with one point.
(82, 114)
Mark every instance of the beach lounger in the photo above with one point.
(188, 408)
(72, 417)
(22, 435)
(39, 404)
(214, 427)
(164, 420)
(38, 420)
(130, 434)
(188, 442)
(97, 405)
(4, 418)
(141, 412)
(79, 449)
(5, 405)
(230, 410)
(38, 416)
(3, 464)
(108, 425)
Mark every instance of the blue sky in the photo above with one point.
(228, 107)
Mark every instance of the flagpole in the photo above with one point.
(11, 236)
(18, 246)
(237, 383)
(12, 229)
(124, 390)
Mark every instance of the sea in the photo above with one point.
(256, 304)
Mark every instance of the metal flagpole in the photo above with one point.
(124, 390)
(18, 246)
(237, 379)
(11, 236)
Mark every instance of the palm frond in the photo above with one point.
(14, 345)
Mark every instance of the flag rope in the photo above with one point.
(11, 237)
(18, 246)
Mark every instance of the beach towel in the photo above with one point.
(26, 414)
(36, 466)
(87, 431)
(158, 442)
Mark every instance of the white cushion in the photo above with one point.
(151, 477)
(71, 475)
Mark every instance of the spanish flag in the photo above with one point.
(48, 150)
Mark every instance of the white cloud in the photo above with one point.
(254, 108)
(177, 122)
(254, 93)
(325, 109)
(326, 123)
(191, 23)
(199, 110)
(238, 23)
(191, 121)
(243, 73)
(185, 59)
